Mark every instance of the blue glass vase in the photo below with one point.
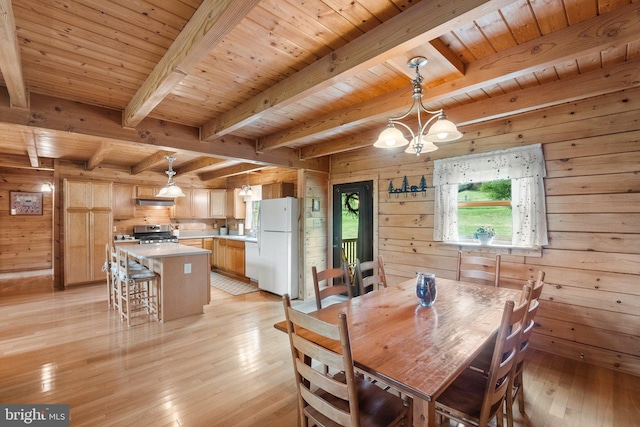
(426, 289)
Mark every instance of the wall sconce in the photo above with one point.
(47, 187)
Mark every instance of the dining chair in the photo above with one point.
(475, 398)
(375, 279)
(478, 269)
(516, 388)
(138, 288)
(343, 399)
(483, 360)
(336, 282)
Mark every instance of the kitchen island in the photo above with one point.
(184, 277)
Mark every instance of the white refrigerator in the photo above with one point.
(278, 246)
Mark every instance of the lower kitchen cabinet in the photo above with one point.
(229, 256)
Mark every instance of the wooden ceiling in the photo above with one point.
(237, 85)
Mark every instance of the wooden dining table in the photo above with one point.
(420, 350)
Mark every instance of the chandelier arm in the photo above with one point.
(413, 104)
(428, 122)
(393, 121)
(439, 112)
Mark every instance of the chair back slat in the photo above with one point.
(373, 280)
(478, 269)
(332, 281)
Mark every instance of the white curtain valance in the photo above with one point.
(512, 163)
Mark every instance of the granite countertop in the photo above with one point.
(164, 250)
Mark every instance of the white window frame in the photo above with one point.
(524, 166)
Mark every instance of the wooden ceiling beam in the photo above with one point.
(616, 78)
(605, 31)
(31, 146)
(98, 156)
(234, 170)
(10, 60)
(425, 22)
(151, 161)
(82, 119)
(208, 26)
(24, 162)
(196, 164)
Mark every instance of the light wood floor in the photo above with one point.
(227, 367)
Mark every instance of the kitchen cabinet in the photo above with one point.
(195, 204)
(234, 258)
(208, 244)
(123, 205)
(277, 190)
(219, 249)
(182, 205)
(195, 243)
(87, 229)
(217, 203)
(146, 191)
(235, 204)
(200, 203)
(229, 256)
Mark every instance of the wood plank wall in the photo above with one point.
(26, 248)
(591, 301)
(315, 237)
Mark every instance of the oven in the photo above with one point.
(158, 233)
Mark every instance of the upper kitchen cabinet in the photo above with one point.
(123, 206)
(87, 229)
(195, 204)
(146, 191)
(217, 203)
(235, 204)
(277, 190)
(200, 203)
(183, 205)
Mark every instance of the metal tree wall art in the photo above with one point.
(409, 189)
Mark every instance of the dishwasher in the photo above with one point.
(251, 260)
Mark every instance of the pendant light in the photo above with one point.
(171, 189)
(422, 141)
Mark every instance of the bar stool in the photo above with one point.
(137, 288)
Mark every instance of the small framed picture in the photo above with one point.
(23, 203)
(315, 205)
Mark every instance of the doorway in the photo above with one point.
(352, 214)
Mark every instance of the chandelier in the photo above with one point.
(422, 141)
(170, 189)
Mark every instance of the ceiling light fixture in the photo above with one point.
(246, 190)
(171, 189)
(422, 141)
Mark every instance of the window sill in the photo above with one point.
(498, 248)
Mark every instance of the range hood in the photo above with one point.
(154, 202)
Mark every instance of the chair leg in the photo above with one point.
(520, 393)
(500, 415)
(509, 407)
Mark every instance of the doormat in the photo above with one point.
(230, 286)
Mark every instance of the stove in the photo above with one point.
(159, 233)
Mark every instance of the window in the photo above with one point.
(523, 166)
(485, 204)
